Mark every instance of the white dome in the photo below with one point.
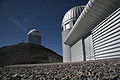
(72, 14)
(34, 32)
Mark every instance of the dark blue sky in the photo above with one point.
(17, 17)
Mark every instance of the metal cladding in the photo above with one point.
(67, 23)
(77, 52)
(34, 36)
(94, 12)
(34, 32)
(72, 14)
(96, 32)
(106, 37)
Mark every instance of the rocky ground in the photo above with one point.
(108, 69)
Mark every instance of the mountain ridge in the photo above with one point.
(29, 53)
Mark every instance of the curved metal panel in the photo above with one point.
(89, 19)
(72, 14)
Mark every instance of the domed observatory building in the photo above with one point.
(68, 21)
(34, 36)
(95, 34)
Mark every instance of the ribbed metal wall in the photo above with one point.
(67, 24)
(77, 51)
(106, 37)
(89, 48)
(72, 14)
(94, 13)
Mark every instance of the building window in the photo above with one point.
(74, 22)
(68, 26)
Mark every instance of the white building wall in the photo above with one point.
(65, 48)
(77, 52)
(106, 37)
(89, 48)
(34, 39)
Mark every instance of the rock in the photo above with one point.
(15, 77)
(88, 70)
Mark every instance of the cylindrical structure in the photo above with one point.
(67, 24)
(34, 37)
(66, 48)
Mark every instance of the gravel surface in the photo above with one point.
(108, 69)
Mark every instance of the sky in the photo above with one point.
(17, 17)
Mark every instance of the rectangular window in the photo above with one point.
(69, 25)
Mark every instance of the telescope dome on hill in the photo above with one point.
(34, 36)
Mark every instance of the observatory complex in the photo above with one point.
(31, 52)
(67, 24)
(92, 31)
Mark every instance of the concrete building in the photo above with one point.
(34, 37)
(95, 34)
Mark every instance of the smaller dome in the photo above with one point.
(72, 14)
(34, 32)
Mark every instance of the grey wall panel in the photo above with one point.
(89, 48)
(94, 13)
(65, 48)
(34, 39)
(106, 37)
(77, 51)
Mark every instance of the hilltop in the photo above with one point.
(26, 53)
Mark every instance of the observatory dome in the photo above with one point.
(34, 37)
(72, 14)
(34, 32)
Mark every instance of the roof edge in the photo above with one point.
(89, 19)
